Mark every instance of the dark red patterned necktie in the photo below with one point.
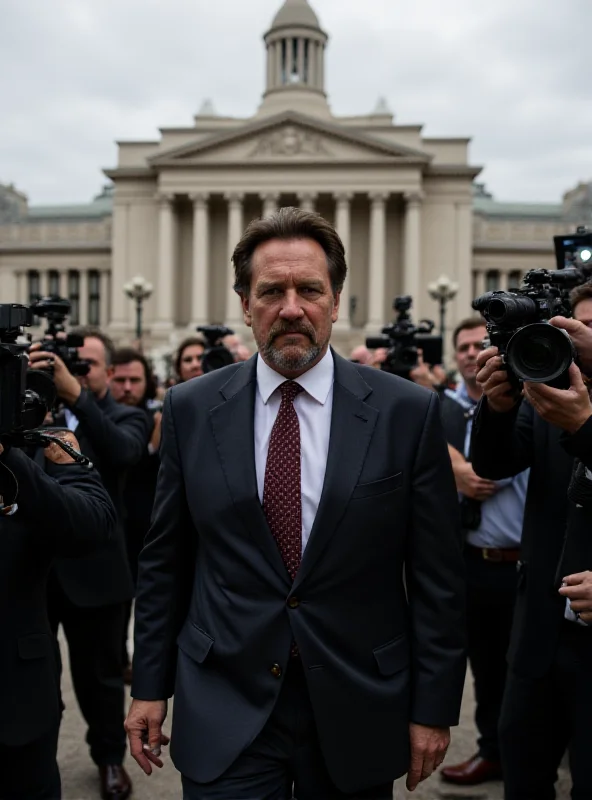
(282, 499)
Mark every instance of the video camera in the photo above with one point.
(403, 339)
(215, 354)
(55, 309)
(517, 324)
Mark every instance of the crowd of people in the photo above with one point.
(313, 546)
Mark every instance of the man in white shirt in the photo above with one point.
(301, 588)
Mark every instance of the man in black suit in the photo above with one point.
(62, 511)
(548, 694)
(301, 588)
(88, 595)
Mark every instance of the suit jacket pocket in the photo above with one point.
(195, 642)
(35, 645)
(393, 656)
(383, 486)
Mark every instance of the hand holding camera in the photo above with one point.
(567, 409)
(495, 384)
(66, 384)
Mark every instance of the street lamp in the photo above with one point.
(443, 290)
(138, 289)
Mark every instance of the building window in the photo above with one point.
(492, 280)
(295, 76)
(34, 285)
(306, 60)
(284, 62)
(74, 296)
(94, 297)
(54, 282)
(514, 279)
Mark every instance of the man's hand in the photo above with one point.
(156, 431)
(578, 588)
(581, 336)
(422, 374)
(144, 730)
(66, 384)
(428, 749)
(494, 383)
(568, 409)
(470, 484)
(54, 452)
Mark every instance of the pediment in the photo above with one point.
(287, 138)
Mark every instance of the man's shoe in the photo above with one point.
(472, 772)
(115, 782)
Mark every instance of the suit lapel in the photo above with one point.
(352, 425)
(233, 426)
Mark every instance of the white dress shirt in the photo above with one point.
(313, 407)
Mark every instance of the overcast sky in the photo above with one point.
(77, 75)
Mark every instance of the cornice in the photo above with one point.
(137, 173)
(14, 248)
(452, 171)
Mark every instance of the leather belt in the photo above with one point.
(496, 554)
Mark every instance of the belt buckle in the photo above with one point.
(487, 553)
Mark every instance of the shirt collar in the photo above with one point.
(317, 381)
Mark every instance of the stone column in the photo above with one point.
(83, 301)
(307, 200)
(104, 298)
(235, 230)
(120, 319)
(167, 252)
(479, 283)
(343, 227)
(270, 203)
(63, 283)
(412, 240)
(461, 305)
(377, 261)
(321, 67)
(200, 276)
(21, 288)
(289, 59)
(278, 64)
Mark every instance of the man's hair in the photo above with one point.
(468, 324)
(289, 223)
(127, 355)
(582, 292)
(86, 331)
(191, 341)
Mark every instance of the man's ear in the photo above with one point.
(244, 298)
(110, 373)
(335, 313)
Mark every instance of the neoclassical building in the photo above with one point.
(406, 206)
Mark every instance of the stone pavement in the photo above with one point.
(79, 775)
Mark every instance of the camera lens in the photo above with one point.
(540, 353)
(509, 309)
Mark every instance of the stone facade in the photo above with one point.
(405, 205)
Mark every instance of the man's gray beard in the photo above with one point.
(280, 360)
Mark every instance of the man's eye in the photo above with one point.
(310, 290)
(272, 291)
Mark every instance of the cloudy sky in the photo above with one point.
(77, 75)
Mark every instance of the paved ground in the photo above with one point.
(79, 775)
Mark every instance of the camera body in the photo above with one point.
(215, 354)
(55, 309)
(403, 339)
(25, 395)
(517, 324)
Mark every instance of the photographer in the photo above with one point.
(63, 510)
(548, 696)
(492, 514)
(88, 595)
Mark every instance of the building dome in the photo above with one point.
(295, 13)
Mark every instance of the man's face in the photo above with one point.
(290, 306)
(97, 380)
(128, 383)
(583, 312)
(191, 362)
(469, 344)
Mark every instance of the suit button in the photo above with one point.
(293, 602)
(276, 670)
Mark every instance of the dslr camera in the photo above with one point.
(55, 309)
(215, 354)
(517, 324)
(403, 339)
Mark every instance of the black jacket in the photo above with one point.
(64, 511)
(377, 607)
(114, 437)
(502, 446)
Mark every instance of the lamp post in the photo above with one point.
(443, 290)
(138, 289)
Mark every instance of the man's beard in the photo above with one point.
(290, 357)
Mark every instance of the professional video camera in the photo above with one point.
(517, 324)
(575, 250)
(215, 354)
(25, 394)
(55, 309)
(403, 339)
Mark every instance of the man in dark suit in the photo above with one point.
(88, 595)
(301, 588)
(548, 696)
(62, 511)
